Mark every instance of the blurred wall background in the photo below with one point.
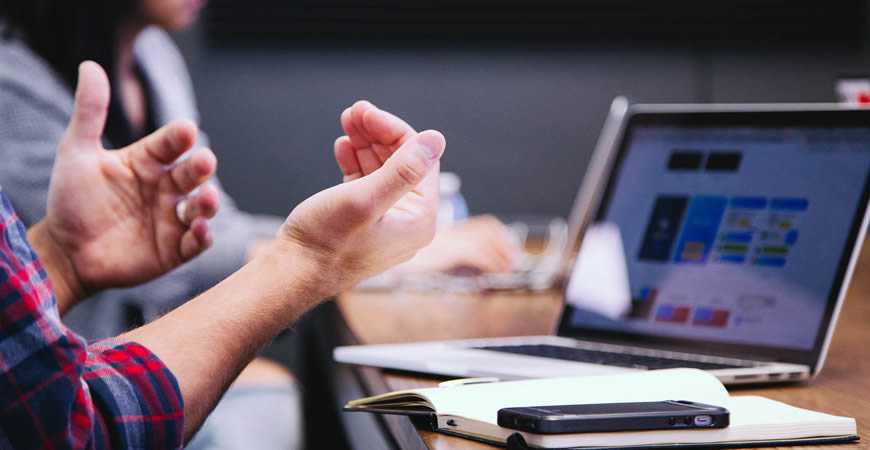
(521, 116)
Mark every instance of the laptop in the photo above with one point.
(739, 227)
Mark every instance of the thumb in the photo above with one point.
(91, 104)
(404, 171)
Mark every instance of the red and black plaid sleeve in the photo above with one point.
(56, 392)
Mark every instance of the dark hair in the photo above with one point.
(67, 32)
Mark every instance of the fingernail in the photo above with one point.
(429, 145)
(428, 151)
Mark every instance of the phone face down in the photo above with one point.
(612, 417)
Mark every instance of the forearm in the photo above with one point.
(209, 340)
(61, 272)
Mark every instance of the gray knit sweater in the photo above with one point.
(35, 107)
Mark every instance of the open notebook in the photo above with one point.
(471, 411)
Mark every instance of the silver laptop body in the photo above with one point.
(741, 227)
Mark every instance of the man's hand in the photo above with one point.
(111, 219)
(380, 217)
(384, 212)
(371, 137)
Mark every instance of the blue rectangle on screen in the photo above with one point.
(703, 315)
(743, 237)
(748, 202)
(665, 311)
(789, 204)
(700, 228)
(791, 237)
(662, 228)
(734, 259)
(770, 261)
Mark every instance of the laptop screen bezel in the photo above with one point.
(753, 116)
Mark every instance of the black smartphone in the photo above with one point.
(608, 417)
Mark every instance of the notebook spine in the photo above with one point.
(427, 422)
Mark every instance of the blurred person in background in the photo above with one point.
(42, 43)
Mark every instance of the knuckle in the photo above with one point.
(191, 172)
(490, 219)
(410, 172)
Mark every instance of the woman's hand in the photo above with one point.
(481, 244)
(112, 215)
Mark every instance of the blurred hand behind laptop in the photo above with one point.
(478, 245)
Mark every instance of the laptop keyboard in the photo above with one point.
(605, 358)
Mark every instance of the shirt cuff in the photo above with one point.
(136, 396)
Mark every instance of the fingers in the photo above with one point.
(91, 106)
(372, 137)
(485, 262)
(150, 156)
(166, 144)
(196, 211)
(498, 257)
(195, 240)
(365, 124)
(385, 128)
(361, 140)
(352, 123)
(483, 243)
(193, 171)
(204, 204)
(368, 161)
(345, 156)
(495, 236)
(410, 168)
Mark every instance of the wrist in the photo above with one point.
(62, 274)
(298, 277)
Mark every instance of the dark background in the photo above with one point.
(521, 102)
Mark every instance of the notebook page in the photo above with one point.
(752, 414)
(753, 419)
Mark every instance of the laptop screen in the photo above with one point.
(731, 233)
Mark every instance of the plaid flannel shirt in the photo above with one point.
(57, 392)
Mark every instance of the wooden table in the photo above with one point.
(843, 388)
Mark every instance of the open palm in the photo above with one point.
(113, 213)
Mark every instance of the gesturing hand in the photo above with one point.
(112, 214)
(383, 213)
(371, 137)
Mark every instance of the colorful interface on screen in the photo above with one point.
(734, 234)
